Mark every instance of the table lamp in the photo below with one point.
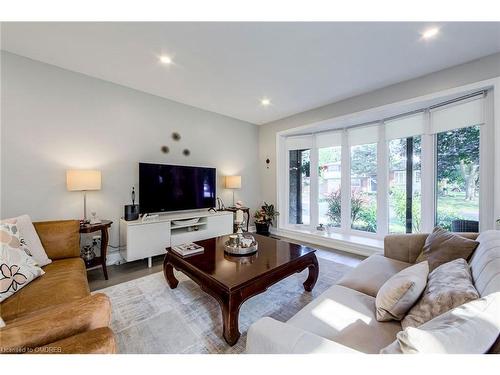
(233, 182)
(83, 180)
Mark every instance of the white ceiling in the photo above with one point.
(228, 67)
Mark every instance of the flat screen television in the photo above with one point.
(165, 187)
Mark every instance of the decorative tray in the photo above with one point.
(241, 244)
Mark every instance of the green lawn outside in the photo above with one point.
(450, 207)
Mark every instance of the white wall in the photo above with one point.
(478, 70)
(53, 119)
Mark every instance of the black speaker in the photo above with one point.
(131, 212)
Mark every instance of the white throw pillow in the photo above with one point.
(30, 238)
(17, 268)
(2, 323)
(471, 328)
(398, 294)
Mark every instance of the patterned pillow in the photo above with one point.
(449, 285)
(17, 268)
(9, 233)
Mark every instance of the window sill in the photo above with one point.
(351, 243)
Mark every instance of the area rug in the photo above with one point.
(149, 317)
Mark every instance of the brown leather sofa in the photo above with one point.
(56, 312)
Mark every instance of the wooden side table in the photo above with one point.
(245, 210)
(101, 259)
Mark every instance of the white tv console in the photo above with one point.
(145, 239)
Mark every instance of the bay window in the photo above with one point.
(402, 174)
(299, 180)
(363, 162)
(329, 178)
(457, 129)
(403, 135)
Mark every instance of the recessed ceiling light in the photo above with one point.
(164, 59)
(265, 102)
(430, 33)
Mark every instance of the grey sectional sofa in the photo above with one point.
(342, 319)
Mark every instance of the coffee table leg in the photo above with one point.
(230, 313)
(168, 271)
(313, 275)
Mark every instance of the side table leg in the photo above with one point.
(104, 250)
(313, 275)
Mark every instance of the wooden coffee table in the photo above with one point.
(232, 280)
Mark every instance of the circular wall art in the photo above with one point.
(165, 149)
(186, 152)
(176, 136)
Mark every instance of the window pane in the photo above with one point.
(457, 176)
(398, 188)
(329, 172)
(364, 187)
(299, 170)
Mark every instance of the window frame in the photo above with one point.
(427, 178)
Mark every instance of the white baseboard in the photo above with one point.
(350, 244)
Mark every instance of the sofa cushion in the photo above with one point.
(347, 317)
(372, 273)
(64, 280)
(471, 328)
(449, 285)
(57, 322)
(485, 263)
(442, 247)
(97, 341)
(401, 291)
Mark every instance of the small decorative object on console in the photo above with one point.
(239, 243)
(146, 218)
(87, 253)
(132, 210)
(94, 219)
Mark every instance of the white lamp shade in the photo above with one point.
(83, 179)
(233, 182)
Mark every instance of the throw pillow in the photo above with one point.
(471, 328)
(17, 269)
(11, 235)
(30, 238)
(448, 286)
(2, 323)
(398, 294)
(442, 246)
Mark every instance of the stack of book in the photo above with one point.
(188, 249)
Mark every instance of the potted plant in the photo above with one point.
(265, 217)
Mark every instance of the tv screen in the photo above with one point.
(173, 187)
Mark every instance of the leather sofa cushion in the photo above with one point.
(60, 239)
(369, 276)
(64, 281)
(347, 317)
(97, 341)
(54, 323)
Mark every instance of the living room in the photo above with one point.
(173, 187)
